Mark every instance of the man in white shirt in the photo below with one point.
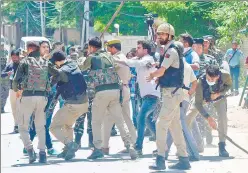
(149, 93)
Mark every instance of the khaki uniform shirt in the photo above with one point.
(122, 70)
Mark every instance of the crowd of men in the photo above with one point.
(172, 95)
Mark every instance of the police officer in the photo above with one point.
(170, 78)
(114, 47)
(9, 72)
(32, 75)
(211, 87)
(4, 81)
(100, 66)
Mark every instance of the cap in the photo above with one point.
(198, 41)
(114, 41)
(208, 37)
(234, 42)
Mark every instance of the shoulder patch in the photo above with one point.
(167, 55)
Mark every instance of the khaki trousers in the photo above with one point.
(63, 120)
(13, 103)
(28, 106)
(108, 100)
(109, 120)
(169, 118)
(221, 109)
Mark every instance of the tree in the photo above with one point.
(188, 17)
(230, 18)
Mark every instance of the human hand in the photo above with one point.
(10, 73)
(149, 78)
(212, 123)
(215, 96)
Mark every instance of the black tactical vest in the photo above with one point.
(173, 77)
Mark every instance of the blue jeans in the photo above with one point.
(235, 71)
(148, 106)
(135, 111)
(190, 142)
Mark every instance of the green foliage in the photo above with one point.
(231, 17)
(185, 16)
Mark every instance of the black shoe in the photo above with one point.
(222, 150)
(72, 148)
(31, 155)
(63, 153)
(183, 164)
(159, 165)
(16, 129)
(97, 153)
(42, 157)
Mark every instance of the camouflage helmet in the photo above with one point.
(157, 23)
(166, 28)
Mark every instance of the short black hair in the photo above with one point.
(41, 42)
(58, 56)
(73, 49)
(213, 70)
(15, 52)
(95, 42)
(133, 52)
(116, 45)
(145, 45)
(187, 38)
(32, 44)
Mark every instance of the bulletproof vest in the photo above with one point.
(173, 77)
(37, 78)
(76, 84)
(102, 71)
(208, 90)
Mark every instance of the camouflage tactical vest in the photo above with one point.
(102, 75)
(37, 78)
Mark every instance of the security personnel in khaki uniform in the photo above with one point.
(4, 82)
(211, 87)
(99, 66)
(114, 47)
(170, 78)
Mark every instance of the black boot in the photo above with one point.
(31, 155)
(72, 148)
(97, 153)
(183, 164)
(160, 163)
(42, 157)
(222, 150)
(63, 153)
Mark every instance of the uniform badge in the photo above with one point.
(167, 56)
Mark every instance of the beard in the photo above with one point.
(163, 42)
